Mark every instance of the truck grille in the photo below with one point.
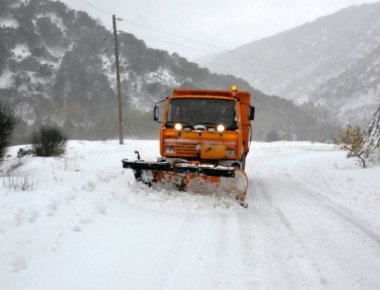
(184, 148)
(187, 148)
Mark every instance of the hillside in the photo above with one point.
(355, 93)
(332, 62)
(56, 66)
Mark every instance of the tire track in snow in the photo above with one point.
(352, 247)
(335, 208)
(341, 249)
(180, 265)
(154, 275)
(309, 274)
(271, 259)
(254, 250)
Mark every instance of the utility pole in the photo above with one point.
(283, 133)
(118, 84)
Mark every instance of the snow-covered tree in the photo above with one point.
(372, 139)
(7, 124)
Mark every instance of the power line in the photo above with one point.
(97, 8)
(218, 49)
(284, 68)
(199, 42)
(177, 44)
(213, 61)
(253, 61)
(171, 34)
(150, 27)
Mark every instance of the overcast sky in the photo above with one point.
(208, 26)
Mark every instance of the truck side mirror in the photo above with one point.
(251, 113)
(156, 113)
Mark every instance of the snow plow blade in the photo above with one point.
(194, 178)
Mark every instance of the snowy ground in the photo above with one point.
(82, 223)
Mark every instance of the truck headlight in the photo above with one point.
(230, 153)
(169, 149)
(178, 127)
(220, 128)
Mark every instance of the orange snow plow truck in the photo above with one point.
(204, 141)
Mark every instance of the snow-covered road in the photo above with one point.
(312, 223)
(313, 241)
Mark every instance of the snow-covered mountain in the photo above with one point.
(333, 61)
(57, 66)
(354, 94)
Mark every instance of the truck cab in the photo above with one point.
(206, 126)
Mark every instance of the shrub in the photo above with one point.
(22, 183)
(7, 124)
(352, 140)
(12, 166)
(49, 141)
(272, 136)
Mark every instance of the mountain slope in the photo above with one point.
(57, 66)
(315, 60)
(355, 93)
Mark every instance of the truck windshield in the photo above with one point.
(207, 112)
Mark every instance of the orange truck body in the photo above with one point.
(203, 150)
(232, 145)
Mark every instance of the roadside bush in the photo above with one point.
(49, 141)
(7, 124)
(272, 136)
(23, 183)
(352, 141)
